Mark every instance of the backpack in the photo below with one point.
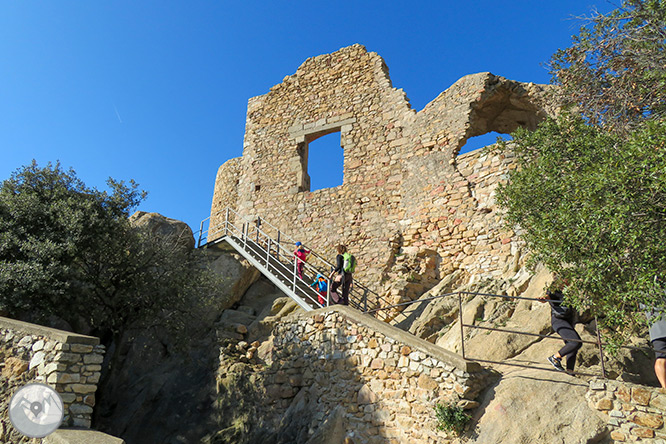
(349, 264)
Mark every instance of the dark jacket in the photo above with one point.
(339, 263)
(556, 308)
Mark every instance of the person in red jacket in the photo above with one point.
(301, 255)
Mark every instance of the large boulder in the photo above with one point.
(165, 227)
(532, 406)
(229, 263)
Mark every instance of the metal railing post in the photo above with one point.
(268, 255)
(462, 329)
(200, 234)
(258, 225)
(278, 242)
(294, 283)
(226, 222)
(328, 292)
(601, 349)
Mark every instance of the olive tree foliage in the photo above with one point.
(69, 250)
(614, 73)
(591, 206)
(589, 193)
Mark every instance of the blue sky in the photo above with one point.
(156, 90)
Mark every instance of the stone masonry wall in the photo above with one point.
(68, 362)
(382, 382)
(404, 185)
(635, 412)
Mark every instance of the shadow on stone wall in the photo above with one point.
(335, 374)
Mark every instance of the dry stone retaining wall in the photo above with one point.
(68, 362)
(635, 412)
(385, 381)
(404, 186)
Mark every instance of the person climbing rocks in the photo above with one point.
(562, 320)
(301, 255)
(321, 286)
(342, 275)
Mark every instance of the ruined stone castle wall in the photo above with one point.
(404, 186)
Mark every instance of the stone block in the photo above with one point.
(83, 389)
(68, 398)
(366, 395)
(81, 348)
(37, 359)
(14, 367)
(642, 432)
(641, 396)
(377, 364)
(54, 366)
(63, 378)
(68, 357)
(604, 404)
(273, 391)
(597, 384)
(658, 401)
(617, 435)
(648, 420)
(426, 382)
(93, 358)
(624, 394)
(81, 422)
(80, 409)
(94, 378)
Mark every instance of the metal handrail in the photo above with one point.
(463, 325)
(359, 293)
(244, 234)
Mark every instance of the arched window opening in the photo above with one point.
(482, 141)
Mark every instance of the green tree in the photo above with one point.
(589, 193)
(70, 251)
(614, 73)
(591, 206)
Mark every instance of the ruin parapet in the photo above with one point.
(404, 185)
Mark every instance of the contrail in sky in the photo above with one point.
(117, 113)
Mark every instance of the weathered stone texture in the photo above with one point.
(404, 188)
(635, 412)
(345, 361)
(67, 362)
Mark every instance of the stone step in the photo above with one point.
(80, 436)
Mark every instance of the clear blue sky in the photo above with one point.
(156, 90)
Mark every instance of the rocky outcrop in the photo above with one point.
(527, 406)
(166, 390)
(164, 227)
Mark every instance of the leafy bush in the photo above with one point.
(451, 418)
